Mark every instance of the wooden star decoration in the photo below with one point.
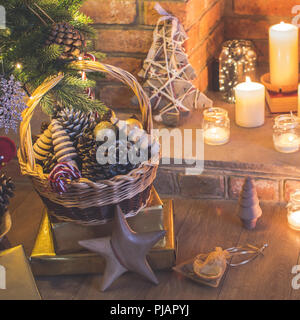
(124, 251)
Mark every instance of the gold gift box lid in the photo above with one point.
(16, 279)
(67, 234)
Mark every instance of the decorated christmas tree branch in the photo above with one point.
(42, 38)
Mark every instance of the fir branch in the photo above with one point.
(51, 53)
(24, 42)
(72, 81)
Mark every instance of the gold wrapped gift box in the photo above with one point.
(67, 234)
(45, 260)
(16, 279)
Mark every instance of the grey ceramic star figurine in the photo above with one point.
(124, 251)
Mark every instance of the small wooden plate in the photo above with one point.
(186, 269)
(266, 81)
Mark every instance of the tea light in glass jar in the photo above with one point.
(285, 135)
(216, 125)
(216, 136)
(294, 210)
(287, 143)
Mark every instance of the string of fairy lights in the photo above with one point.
(238, 59)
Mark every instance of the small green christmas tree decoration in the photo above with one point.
(42, 38)
(249, 209)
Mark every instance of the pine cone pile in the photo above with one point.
(92, 170)
(76, 136)
(66, 35)
(6, 192)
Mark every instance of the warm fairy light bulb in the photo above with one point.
(80, 58)
(18, 66)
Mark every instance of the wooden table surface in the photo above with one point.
(200, 226)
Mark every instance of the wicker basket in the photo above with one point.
(5, 224)
(87, 202)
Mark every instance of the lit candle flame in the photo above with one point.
(291, 138)
(248, 79)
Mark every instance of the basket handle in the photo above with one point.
(127, 78)
(26, 154)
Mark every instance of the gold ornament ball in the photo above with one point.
(132, 124)
(101, 130)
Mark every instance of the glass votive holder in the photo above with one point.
(294, 210)
(237, 60)
(286, 134)
(216, 126)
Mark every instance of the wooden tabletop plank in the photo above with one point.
(200, 226)
(22, 191)
(60, 287)
(140, 289)
(26, 219)
(267, 277)
(208, 225)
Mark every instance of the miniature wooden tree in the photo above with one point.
(249, 209)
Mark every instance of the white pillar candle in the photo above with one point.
(283, 45)
(250, 104)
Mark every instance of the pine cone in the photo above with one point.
(63, 146)
(34, 138)
(49, 163)
(6, 192)
(87, 149)
(43, 145)
(65, 34)
(55, 111)
(123, 165)
(91, 169)
(44, 126)
(105, 116)
(75, 122)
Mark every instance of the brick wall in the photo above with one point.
(225, 180)
(251, 19)
(125, 29)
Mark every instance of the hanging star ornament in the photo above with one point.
(124, 251)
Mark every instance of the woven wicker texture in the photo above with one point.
(84, 194)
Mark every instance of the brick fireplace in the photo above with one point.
(125, 30)
(252, 19)
(125, 33)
